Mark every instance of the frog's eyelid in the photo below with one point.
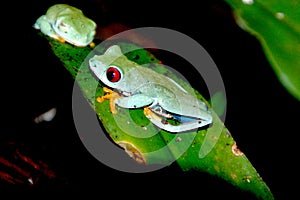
(62, 26)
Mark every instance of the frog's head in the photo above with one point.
(77, 30)
(107, 68)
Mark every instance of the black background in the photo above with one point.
(261, 115)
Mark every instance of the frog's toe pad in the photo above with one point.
(100, 99)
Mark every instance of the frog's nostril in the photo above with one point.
(93, 65)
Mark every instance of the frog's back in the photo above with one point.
(171, 95)
(161, 80)
(57, 9)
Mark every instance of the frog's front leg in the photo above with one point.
(45, 26)
(111, 96)
(134, 101)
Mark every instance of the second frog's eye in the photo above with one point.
(113, 74)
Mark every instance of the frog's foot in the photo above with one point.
(92, 44)
(111, 96)
(152, 116)
(58, 38)
(162, 123)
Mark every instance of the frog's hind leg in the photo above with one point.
(163, 124)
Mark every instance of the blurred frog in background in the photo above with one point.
(66, 23)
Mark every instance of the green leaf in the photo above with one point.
(212, 150)
(276, 25)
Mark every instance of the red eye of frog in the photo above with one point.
(113, 74)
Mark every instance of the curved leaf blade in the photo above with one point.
(276, 25)
(211, 150)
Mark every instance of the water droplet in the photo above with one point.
(248, 2)
(279, 15)
(47, 116)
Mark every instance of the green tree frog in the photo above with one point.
(137, 86)
(67, 23)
